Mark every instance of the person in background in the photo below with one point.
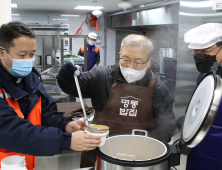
(126, 95)
(29, 122)
(206, 43)
(93, 54)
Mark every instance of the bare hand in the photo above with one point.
(83, 142)
(75, 126)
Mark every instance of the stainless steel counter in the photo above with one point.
(68, 160)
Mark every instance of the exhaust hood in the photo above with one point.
(158, 15)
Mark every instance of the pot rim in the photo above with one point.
(144, 163)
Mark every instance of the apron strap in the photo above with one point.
(114, 81)
(151, 81)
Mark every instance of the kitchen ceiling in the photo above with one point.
(69, 5)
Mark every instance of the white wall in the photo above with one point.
(74, 25)
(5, 11)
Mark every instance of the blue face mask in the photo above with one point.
(20, 67)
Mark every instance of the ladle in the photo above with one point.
(79, 91)
(93, 129)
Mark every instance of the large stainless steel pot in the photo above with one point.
(133, 152)
(168, 53)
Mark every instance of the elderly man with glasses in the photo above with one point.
(126, 96)
(206, 43)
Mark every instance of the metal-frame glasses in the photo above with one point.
(138, 64)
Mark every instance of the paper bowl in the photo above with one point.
(103, 136)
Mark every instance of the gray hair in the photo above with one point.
(140, 41)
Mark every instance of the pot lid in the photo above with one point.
(202, 110)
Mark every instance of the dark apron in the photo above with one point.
(128, 107)
(91, 59)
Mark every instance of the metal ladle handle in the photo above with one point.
(80, 98)
(79, 92)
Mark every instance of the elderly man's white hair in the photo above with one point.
(138, 40)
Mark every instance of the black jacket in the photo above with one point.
(20, 135)
(96, 84)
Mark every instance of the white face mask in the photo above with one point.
(132, 75)
(91, 42)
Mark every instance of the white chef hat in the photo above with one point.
(204, 36)
(92, 35)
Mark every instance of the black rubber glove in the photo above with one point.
(66, 72)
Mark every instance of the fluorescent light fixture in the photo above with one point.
(60, 19)
(89, 7)
(13, 5)
(15, 14)
(16, 18)
(68, 15)
(201, 4)
(200, 15)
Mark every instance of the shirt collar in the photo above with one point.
(30, 84)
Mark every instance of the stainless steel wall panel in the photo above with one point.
(39, 42)
(189, 17)
(186, 73)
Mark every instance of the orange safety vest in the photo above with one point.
(34, 117)
(96, 49)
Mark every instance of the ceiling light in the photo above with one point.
(60, 19)
(200, 15)
(89, 7)
(97, 13)
(68, 15)
(124, 5)
(201, 4)
(15, 14)
(13, 5)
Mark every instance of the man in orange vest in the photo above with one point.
(93, 55)
(30, 124)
